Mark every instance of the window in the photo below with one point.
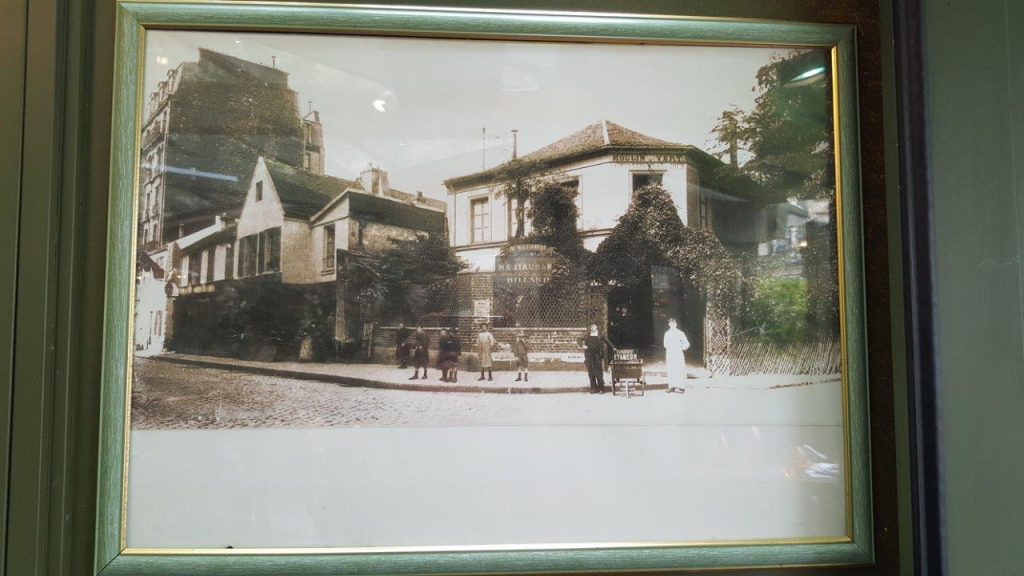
(704, 210)
(259, 253)
(328, 251)
(259, 191)
(480, 220)
(195, 263)
(247, 256)
(211, 259)
(641, 179)
(270, 242)
(229, 261)
(158, 324)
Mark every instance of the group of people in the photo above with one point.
(597, 349)
(415, 345)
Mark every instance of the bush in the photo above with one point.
(778, 309)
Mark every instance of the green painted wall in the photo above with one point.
(975, 64)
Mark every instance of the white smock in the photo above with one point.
(675, 360)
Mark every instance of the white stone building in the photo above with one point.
(151, 288)
(605, 162)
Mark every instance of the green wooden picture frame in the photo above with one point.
(135, 18)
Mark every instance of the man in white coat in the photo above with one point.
(675, 360)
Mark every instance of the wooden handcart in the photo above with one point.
(628, 372)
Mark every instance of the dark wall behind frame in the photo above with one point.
(62, 236)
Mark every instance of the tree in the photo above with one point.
(789, 132)
(779, 309)
(518, 179)
(554, 215)
(790, 137)
(731, 131)
(414, 277)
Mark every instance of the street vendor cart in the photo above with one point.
(628, 372)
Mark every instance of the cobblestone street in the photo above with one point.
(169, 395)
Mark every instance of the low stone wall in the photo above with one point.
(550, 348)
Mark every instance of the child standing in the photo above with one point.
(522, 352)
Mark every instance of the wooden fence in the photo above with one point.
(753, 356)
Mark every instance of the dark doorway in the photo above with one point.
(629, 317)
(672, 297)
(638, 315)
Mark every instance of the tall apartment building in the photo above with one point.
(206, 124)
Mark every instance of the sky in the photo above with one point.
(417, 107)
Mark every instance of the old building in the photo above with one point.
(151, 291)
(204, 127)
(253, 287)
(605, 163)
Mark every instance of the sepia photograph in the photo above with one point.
(415, 292)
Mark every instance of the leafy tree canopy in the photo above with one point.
(779, 309)
(519, 179)
(789, 133)
(651, 233)
(414, 277)
(554, 216)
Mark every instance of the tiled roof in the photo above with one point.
(304, 193)
(380, 209)
(597, 137)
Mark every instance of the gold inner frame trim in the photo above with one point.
(471, 548)
(603, 17)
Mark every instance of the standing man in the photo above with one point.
(675, 360)
(595, 352)
(402, 346)
(421, 352)
(484, 343)
(521, 348)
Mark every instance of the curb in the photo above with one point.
(350, 381)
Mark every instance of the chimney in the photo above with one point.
(515, 144)
(374, 180)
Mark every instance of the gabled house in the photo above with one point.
(258, 286)
(294, 221)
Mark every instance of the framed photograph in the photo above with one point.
(394, 290)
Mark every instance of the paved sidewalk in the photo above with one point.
(541, 382)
